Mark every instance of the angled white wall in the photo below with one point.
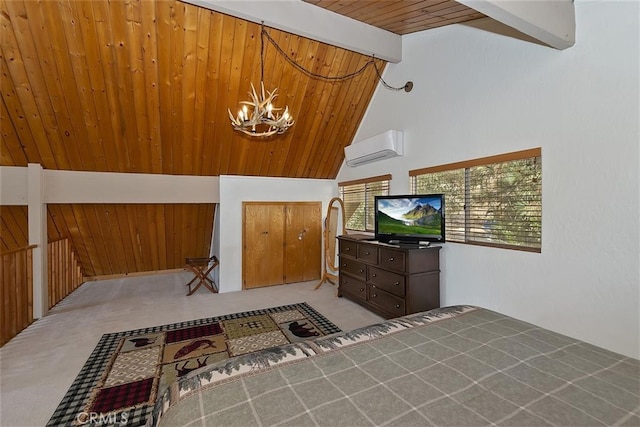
(478, 93)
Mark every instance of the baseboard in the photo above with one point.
(134, 274)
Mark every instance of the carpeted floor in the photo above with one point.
(126, 371)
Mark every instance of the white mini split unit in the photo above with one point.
(379, 147)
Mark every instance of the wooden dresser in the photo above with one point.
(389, 280)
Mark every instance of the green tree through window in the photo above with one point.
(494, 201)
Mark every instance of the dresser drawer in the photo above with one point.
(368, 253)
(385, 301)
(354, 287)
(354, 267)
(387, 280)
(348, 248)
(393, 259)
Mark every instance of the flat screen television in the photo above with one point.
(410, 219)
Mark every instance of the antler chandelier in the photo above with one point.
(258, 117)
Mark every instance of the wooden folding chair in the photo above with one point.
(201, 267)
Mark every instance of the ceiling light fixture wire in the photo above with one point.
(372, 62)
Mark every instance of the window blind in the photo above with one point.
(494, 201)
(358, 198)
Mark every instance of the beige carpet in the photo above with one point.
(30, 390)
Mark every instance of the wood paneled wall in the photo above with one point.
(120, 239)
(16, 283)
(65, 274)
(112, 239)
(14, 228)
(16, 292)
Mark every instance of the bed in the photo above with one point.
(455, 366)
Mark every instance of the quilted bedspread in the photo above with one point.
(454, 366)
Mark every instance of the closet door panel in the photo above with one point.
(263, 237)
(303, 242)
(293, 248)
(313, 242)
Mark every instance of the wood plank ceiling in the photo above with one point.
(144, 86)
(402, 16)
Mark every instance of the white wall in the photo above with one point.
(14, 185)
(62, 186)
(237, 189)
(478, 93)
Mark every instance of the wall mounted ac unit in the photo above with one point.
(383, 146)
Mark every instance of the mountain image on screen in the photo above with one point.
(410, 219)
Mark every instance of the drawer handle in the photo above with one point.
(361, 289)
(391, 259)
(397, 305)
(367, 253)
(373, 286)
(374, 295)
(344, 265)
(362, 270)
(373, 275)
(396, 284)
(344, 282)
(347, 249)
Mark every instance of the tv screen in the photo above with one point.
(410, 219)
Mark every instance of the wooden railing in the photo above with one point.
(65, 274)
(16, 283)
(16, 292)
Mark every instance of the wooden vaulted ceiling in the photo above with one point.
(402, 16)
(144, 87)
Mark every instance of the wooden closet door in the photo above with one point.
(303, 246)
(263, 238)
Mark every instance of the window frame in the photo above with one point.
(534, 153)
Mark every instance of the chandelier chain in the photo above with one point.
(262, 55)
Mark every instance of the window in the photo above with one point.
(493, 201)
(358, 197)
